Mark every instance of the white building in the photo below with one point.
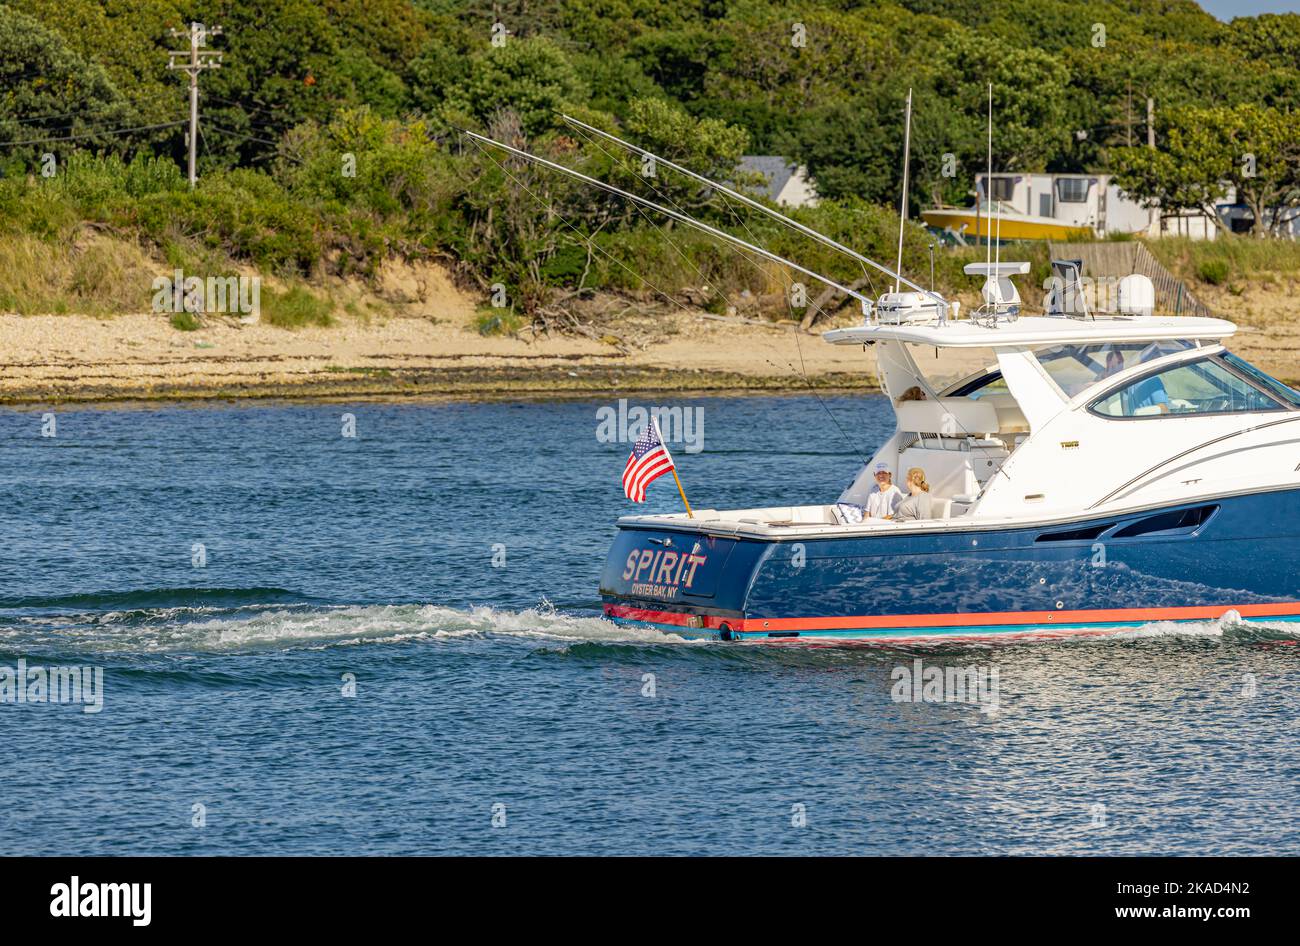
(1091, 201)
(787, 184)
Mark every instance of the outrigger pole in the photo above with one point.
(902, 204)
(675, 215)
(763, 208)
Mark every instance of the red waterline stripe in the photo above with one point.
(679, 618)
(984, 619)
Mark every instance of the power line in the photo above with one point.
(257, 123)
(85, 127)
(236, 134)
(245, 106)
(42, 118)
(260, 157)
(93, 134)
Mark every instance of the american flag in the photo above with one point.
(648, 461)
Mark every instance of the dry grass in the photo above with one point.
(1229, 259)
(92, 274)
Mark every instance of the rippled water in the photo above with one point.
(485, 691)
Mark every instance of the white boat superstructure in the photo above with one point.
(1071, 416)
(1066, 417)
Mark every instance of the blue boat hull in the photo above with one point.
(1183, 563)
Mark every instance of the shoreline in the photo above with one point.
(398, 390)
(425, 352)
(426, 346)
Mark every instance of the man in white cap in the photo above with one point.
(885, 498)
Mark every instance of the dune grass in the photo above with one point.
(1230, 257)
(89, 273)
(295, 307)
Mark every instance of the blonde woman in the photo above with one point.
(918, 505)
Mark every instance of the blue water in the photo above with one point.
(487, 691)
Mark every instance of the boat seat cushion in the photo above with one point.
(949, 472)
(950, 416)
(1011, 419)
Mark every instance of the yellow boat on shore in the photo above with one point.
(1008, 225)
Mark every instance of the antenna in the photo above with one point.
(750, 202)
(988, 189)
(902, 208)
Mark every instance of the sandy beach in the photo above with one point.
(424, 343)
(418, 338)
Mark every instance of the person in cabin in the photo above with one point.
(884, 499)
(1149, 396)
(918, 505)
(914, 393)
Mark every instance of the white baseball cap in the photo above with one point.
(883, 467)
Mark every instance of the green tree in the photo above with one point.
(531, 77)
(129, 38)
(50, 91)
(1029, 96)
(1206, 153)
(1269, 38)
(705, 145)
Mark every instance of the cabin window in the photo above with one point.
(990, 383)
(1201, 387)
(1002, 188)
(1268, 382)
(1072, 190)
(1075, 368)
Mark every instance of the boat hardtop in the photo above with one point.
(1038, 330)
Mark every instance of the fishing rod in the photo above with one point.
(674, 215)
(775, 214)
(813, 391)
(668, 199)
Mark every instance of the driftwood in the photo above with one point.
(601, 317)
(786, 325)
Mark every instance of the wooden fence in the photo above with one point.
(1118, 259)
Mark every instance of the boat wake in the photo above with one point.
(1242, 631)
(242, 621)
(155, 623)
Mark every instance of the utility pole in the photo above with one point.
(193, 61)
(1154, 214)
(1128, 120)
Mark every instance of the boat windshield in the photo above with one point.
(1197, 387)
(1269, 383)
(1075, 368)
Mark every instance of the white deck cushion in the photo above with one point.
(952, 416)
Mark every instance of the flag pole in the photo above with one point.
(660, 435)
(689, 514)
